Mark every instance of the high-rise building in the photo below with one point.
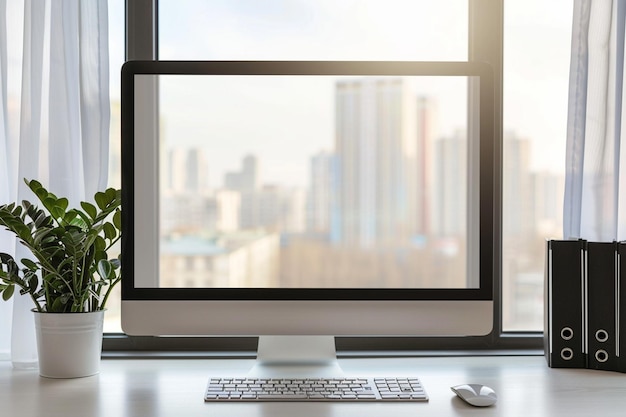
(176, 161)
(376, 149)
(227, 210)
(548, 189)
(187, 171)
(197, 171)
(322, 181)
(271, 207)
(247, 179)
(517, 187)
(185, 195)
(450, 197)
(424, 176)
(522, 276)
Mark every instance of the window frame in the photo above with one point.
(485, 37)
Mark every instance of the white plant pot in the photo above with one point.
(69, 344)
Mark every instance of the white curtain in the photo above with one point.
(595, 187)
(54, 121)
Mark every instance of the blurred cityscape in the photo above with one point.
(387, 207)
(368, 217)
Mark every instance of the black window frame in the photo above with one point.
(486, 29)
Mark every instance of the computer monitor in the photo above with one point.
(307, 198)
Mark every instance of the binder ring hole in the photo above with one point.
(602, 356)
(602, 335)
(567, 333)
(567, 354)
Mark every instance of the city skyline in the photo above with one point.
(360, 206)
(384, 134)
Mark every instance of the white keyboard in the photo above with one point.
(315, 389)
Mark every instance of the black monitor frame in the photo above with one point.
(488, 166)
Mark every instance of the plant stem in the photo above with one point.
(106, 294)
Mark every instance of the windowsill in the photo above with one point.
(340, 355)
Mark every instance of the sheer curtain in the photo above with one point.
(595, 186)
(54, 121)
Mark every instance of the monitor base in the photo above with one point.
(296, 356)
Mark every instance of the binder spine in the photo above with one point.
(621, 307)
(602, 294)
(565, 305)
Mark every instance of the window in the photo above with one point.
(514, 37)
(537, 38)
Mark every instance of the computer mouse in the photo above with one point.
(476, 394)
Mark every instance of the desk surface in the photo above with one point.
(174, 387)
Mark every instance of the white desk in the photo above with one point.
(174, 387)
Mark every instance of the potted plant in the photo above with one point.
(69, 278)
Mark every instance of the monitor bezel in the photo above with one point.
(487, 170)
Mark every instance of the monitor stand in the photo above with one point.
(296, 356)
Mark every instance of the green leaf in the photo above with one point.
(116, 263)
(11, 271)
(111, 194)
(101, 200)
(99, 244)
(117, 219)
(48, 240)
(40, 219)
(69, 217)
(79, 219)
(58, 207)
(57, 284)
(50, 202)
(35, 186)
(90, 209)
(41, 194)
(58, 305)
(17, 212)
(5, 258)
(30, 264)
(109, 231)
(8, 292)
(33, 282)
(62, 203)
(100, 255)
(105, 269)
